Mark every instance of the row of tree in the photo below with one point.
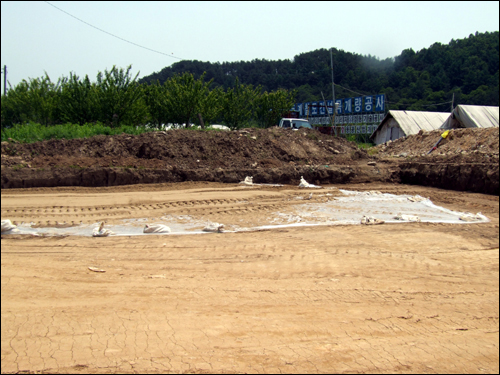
(261, 91)
(466, 69)
(116, 98)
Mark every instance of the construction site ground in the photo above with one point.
(416, 297)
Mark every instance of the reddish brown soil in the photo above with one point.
(466, 160)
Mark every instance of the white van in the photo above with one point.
(294, 123)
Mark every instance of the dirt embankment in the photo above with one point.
(466, 160)
(461, 145)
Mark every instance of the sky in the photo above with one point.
(87, 37)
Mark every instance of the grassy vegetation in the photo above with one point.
(18, 166)
(33, 132)
(312, 136)
(360, 140)
(366, 146)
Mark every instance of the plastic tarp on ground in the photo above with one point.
(349, 208)
(472, 116)
(397, 124)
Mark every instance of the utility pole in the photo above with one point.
(333, 86)
(5, 80)
(333, 93)
(326, 107)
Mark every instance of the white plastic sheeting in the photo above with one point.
(370, 220)
(248, 181)
(387, 207)
(346, 209)
(7, 226)
(220, 127)
(156, 228)
(100, 231)
(410, 218)
(214, 227)
(304, 184)
(470, 217)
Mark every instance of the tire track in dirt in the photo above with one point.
(217, 209)
(417, 298)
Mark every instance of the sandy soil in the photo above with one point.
(405, 298)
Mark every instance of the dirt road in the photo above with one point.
(416, 297)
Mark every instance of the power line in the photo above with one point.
(430, 105)
(421, 105)
(104, 31)
(345, 88)
(180, 58)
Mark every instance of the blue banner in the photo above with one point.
(368, 103)
(361, 109)
(329, 103)
(348, 105)
(298, 106)
(322, 108)
(339, 109)
(380, 103)
(314, 109)
(358, 104)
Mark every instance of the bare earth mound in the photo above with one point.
(466, 160)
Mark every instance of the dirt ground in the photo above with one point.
(405, 298)
(391, 298)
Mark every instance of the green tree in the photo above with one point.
(238, 104)
(186, 97)
(211, 105)
(155, 96)
(483, 94)
(35, 100)
(16, 105)
(465, 63)
(121, 98)
(475, 73)
(418, 88)
(79, 101)
(271, 107)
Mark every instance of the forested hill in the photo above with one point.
(413, 80)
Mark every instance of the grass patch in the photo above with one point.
(312, 136)
(18, 167)
(33, 132)
(365, 146)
